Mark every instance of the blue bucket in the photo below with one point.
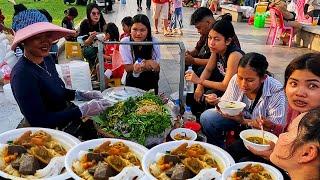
(123, 2)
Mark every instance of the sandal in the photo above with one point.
(156, 32)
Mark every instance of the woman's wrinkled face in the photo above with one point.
(303, 90)
(139, 32)
(248, 80)
(282, 154)
(95, 15)
(38, 45)
(216, 42)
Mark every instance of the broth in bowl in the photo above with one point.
(257, 140)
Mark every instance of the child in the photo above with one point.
(176, 19)
(67, 22)
(111, 34)
(126, 26)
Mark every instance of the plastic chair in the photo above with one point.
(277, 25)
(73, 50)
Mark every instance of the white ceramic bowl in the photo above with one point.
(183, 131)
(73, 154)
(257, 132)
(222, 157)
(231, 108)
(65, 139)
(275, 173)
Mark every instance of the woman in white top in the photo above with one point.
(141, 62)
(263, 95)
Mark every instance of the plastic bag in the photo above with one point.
(75, 75)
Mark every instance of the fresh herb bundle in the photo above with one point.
(123, 121)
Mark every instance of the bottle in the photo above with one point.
(189, 84)
(188, 116)
(176, 108)
(134, 74)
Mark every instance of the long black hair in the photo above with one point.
(145, 51)
(101, 22)
(224, 26)
(257, 62)
(113, 31)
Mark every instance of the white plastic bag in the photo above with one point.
(75, 75)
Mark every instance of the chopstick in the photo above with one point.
(261, 125)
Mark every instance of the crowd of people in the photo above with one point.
(221, 72)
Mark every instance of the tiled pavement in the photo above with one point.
(251, 40)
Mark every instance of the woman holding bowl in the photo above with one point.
(262, 94)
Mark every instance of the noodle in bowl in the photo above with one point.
(60, 142)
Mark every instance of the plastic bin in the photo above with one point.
(259, 20)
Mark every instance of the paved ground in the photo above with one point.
(251, 40)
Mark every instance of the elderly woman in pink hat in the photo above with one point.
(41, 94)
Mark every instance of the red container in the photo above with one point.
(196, 127)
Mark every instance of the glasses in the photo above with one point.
(95, 13)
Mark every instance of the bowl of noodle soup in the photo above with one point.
(74, 159)
(212, 155)
(58, 139)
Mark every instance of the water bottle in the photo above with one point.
(188, 116)
(176, 108)
(134, 74)
(189, 84)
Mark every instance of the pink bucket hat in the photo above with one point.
(31, 22)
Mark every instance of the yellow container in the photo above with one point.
(73, 50)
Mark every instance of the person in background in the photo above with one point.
(3, 28)
(139, 5)
(89, 28)
(312, 9)
(40, 93)
(176, 19)
(111, 34)
(67, 22)
(141, 62)
(148, 4)
(126, 23)
(161, 11)
(222, 64)
(288, 17)
(297, 150)
(263, 95)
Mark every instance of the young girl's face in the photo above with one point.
(302, 90)
(139, 32)
(248, 80)
(106, 36)
(217, 42)
(125, 28)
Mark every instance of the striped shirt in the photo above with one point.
(272, 103)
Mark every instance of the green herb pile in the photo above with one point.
(122, 121)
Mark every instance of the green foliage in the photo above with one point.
(54, 7)
(122, 121)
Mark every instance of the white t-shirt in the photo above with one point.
(126, 54)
